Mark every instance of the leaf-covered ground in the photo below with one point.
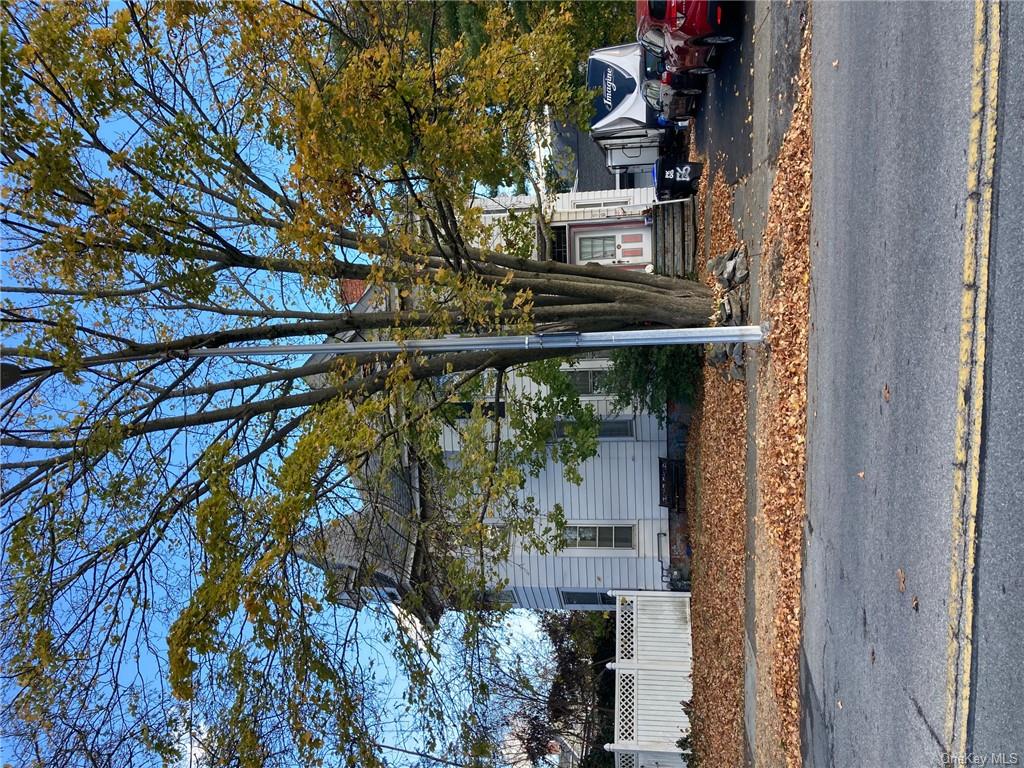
(717, 492)
(715, 459)
(781, 430)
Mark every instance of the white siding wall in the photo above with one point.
(619, 483)
(538, 579)
(619, 486)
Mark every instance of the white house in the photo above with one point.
(617, 532)
(618, 522)
(607, 226)
(620, 531)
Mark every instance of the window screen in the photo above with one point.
(586, 598)
(599, 537)
(601, 247)
(607, 429)
(623, 536)
(586, 536)
(588, 382)
(615, 428)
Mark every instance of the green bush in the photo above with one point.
(685, 742)
(685, 746)
(646, 378)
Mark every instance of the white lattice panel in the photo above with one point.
(625, 760)
(626, 628)
(625, 707)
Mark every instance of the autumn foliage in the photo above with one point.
(181, 175)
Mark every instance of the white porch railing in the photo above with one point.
(652, 666)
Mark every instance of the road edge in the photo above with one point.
(970, 381)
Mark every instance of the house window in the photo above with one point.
(503, 598)
(607, 429)
(560, 250)
(588, 381)
(599, 537)
(496, 531)
(594, 247)
(585, 598)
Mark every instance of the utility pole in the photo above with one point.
(569, 341)
(750, 334)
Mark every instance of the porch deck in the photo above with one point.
(674, 238)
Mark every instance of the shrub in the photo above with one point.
(685, 742)
(646, 378)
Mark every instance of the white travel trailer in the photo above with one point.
(625, 123)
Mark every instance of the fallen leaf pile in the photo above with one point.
(782, 408)
(716, 499)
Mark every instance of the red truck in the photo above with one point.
(684, 32)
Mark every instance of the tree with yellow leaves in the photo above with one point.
(180, 175)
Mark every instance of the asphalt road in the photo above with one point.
(725, 117)
(891, 116)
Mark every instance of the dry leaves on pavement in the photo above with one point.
(716, 498)
(782, 409)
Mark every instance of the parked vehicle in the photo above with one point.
(684, 32)
(633, 109)
(619, 73)
(675, 105)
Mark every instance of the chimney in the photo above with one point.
(352, 290)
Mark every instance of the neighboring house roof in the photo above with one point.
(378, 541)
(377, 547)
(371, 547)
(589, 167)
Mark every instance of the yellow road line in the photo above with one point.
(970, 381)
